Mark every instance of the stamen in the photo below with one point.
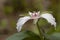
(35, 14)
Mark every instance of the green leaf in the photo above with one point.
(25, 35)
(55, 36)
(42, 22)
(32, 37)
(18, 36)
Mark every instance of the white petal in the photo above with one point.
(38, 12)
(49, 18)
(21, 22)
(30, 13)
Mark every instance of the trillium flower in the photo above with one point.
(35, 16)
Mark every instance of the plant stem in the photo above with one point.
(40, 34)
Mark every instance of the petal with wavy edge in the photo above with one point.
(21, 22)
(49, 18)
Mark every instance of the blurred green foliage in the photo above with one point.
(25, 35)
(8, 10)
(3, 23)
(28, 35)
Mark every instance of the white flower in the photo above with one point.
(35, 16)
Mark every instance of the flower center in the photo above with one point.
(35, 16)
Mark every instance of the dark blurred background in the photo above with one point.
(10, 11)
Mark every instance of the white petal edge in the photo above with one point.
(21, 22)
(49, 18)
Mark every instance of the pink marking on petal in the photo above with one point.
(35, 15)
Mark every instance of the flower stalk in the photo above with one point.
(39, 30)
